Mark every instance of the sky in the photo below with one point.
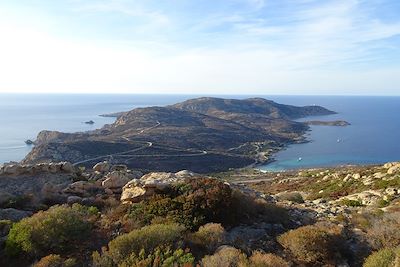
(319, 47)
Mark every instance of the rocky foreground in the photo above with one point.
(314, 217)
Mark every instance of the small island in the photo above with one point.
(29, 142)
(89, 122)
(328, 123)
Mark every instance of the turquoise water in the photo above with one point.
(373, 136)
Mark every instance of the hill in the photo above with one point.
(203, 134)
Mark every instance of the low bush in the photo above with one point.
(260, 259)
(386, 257)
(53, 231)
(312, 244)
(160, 257)
(351, 202)
(225, 257)
(203, 200)
(384, 231)
(209, 236)
(146, 239)
(54, 260)
(291, 196)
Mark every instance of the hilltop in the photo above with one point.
(202, 134)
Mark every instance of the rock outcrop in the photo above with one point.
(138, 189)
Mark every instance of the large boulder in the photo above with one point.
(148, 185)
(116, 180)
(82, 188)
(394, 169)
(102, 167)
(67, 167)
(133, 193)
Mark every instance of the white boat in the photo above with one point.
(339, 140)
(300, 159)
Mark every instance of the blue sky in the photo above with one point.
(206, 47)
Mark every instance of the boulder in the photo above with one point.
(74, 199)
(54, 168)
(133, 194)
(391, 191)
(81, 188)
(102, 167)
(394, 169)
(67, 167)
(121, 168)
(14, 214)
(138, 189)
(115, 179)
(11, 169)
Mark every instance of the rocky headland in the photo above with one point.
(203, 134)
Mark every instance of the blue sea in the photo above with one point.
(372, 137)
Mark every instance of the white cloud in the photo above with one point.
(323, 50)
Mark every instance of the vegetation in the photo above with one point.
(386, 257)
(56, 230)
(201, 201)
(351, 202)
(146, 243)
(313, 244)
(54, 260)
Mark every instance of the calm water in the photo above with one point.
(373, 136)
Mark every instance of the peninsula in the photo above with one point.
(203, 135)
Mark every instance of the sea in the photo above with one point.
(372, 138)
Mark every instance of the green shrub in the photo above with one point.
(160, 257)
(312, 244)
(209, 236)
(56, 230)
(291, 196)
(146, 239)
(386, 257)
(203, 200)
(54, 260)
(351, 202)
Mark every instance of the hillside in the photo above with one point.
(56, 215)
(203, 134)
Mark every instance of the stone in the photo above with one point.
(394, 169)
(11, 169)
(185, 173)
(67, 167)
(74, 199)
(54, 168)
(115, 179)
(81, 188)
(391, 191)
(356, 176)
(389, 164)
(379, 175)
(133, 194)
(102, 167)
(14, 214)
(121, 168)
(319, 201)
